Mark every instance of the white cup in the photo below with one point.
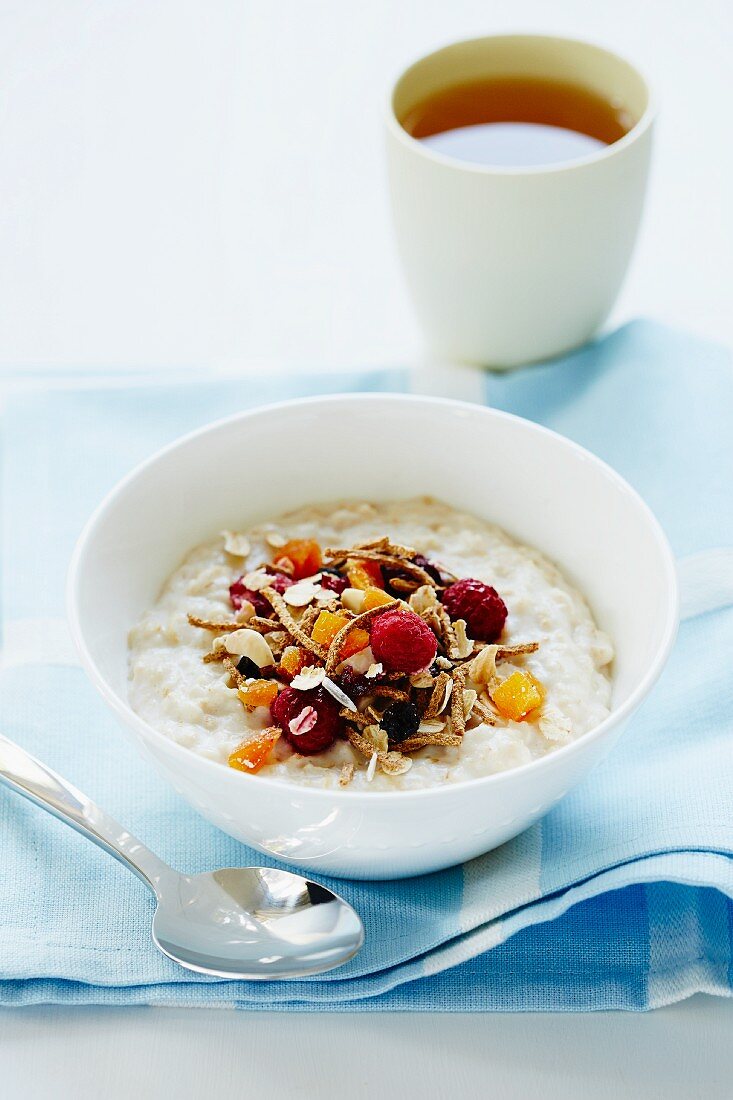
(511, 265)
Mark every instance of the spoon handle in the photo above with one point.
(29, 777)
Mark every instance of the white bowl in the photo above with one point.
(540, 487)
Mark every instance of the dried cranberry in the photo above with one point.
(333, 581)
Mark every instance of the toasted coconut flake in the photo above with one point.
(332, 658)
(308, 678)
(423, 598)
(432, 725)
(469, 699)
(236, 544)
(440, 696)
(347, 774)
(294, 630)
(375, 668)
(377, 736)
(444, 663)
(482, 669)
(339, 695)
(464, 644)
(372, 767)
(484, 713)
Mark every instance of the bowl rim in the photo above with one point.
(617, 716)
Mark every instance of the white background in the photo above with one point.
(203, 184)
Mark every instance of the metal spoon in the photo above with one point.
(248, 922)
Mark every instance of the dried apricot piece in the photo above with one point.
(253, 754)
(375, 597)
(258, 693)
(364, 574)
(516, 696)
(327, 626)
(303, 554)
(356, 640)
(293, 660)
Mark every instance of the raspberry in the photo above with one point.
(238, 593)
(402, 642)
(480, 605)
(317, 737)
(400, 721)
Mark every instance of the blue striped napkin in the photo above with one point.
(620, 898)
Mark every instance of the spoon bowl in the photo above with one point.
(254, 923)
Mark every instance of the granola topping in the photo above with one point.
(388, 716)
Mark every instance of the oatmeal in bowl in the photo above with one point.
(370, 647)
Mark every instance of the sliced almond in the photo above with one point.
(247, 643)
(301, 594)
(257, 580)
(275, 539)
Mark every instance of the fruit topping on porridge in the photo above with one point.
(366, 658)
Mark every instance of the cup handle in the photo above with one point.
(706, 582)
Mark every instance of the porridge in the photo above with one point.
(370, 646)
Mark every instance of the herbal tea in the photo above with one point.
(517, 121)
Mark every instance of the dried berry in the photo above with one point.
(400, 721)
(289, 707)
(333, 581)
(248, 668)
(479, 605)
(239, 593)
(402, 642)
(393, 572)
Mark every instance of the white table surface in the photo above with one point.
(193, 183)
